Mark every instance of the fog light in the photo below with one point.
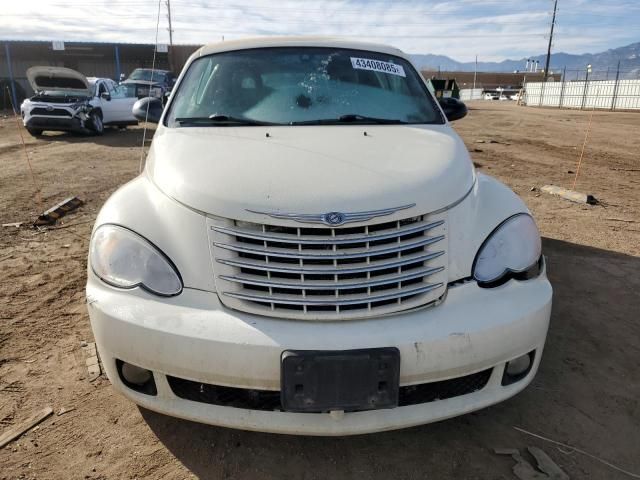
(518, 368)
(136, 378)
(136, 375)
(518, 365)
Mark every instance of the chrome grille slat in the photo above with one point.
(342, 240)
(333, 300)
(349, 217)
(371, 267)
(296, 271)
(308, 285)
(275, 252)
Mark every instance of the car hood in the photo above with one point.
(141, 82)
(59, 79)
(229, 171)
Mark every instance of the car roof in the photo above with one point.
(93, 80)
(154, 69)
(298, 41)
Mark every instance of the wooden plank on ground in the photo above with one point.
(27, 425)
(570, 195)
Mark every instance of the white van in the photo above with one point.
(310, 250)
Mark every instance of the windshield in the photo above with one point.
(145, 75)
(301, 85)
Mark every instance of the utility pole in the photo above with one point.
(553, 24)
(475, 74)
(615, 88)
(168, 3)
(586, 87)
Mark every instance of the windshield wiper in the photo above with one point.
(352, 118)
(219, 120)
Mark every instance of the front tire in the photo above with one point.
(35, 132)
(97, 127)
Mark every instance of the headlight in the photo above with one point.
(124, 259)
(512, 249)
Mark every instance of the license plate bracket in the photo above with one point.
(349, 380)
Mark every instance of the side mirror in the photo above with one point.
(453, 108)
(154, 106)
(165, 98)
(106, 96)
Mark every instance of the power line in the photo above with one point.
(409, 7)
(269, 6)
(186, 18)
(471, 26)
(153, 67)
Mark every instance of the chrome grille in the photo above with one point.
(319, 273)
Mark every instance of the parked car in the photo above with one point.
(66, 100)
(312, 251)
(490, 96)
(145, 82)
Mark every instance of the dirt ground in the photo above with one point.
(586, 392)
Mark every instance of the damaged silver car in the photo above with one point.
(66, 100)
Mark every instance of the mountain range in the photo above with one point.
(603, 63)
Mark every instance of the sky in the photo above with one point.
(492, 29)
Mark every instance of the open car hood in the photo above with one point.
(58, 78)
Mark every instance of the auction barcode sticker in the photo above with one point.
(377, 66)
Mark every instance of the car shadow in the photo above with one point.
(112, 137)
(585, 389)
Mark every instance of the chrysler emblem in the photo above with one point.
(333, 218)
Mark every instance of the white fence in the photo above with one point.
(470, 94)
(600, 94)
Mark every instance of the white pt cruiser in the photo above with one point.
(309, 250)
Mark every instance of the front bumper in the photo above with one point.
(193, 337)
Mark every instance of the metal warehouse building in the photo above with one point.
(491, 80)
(90, 58)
